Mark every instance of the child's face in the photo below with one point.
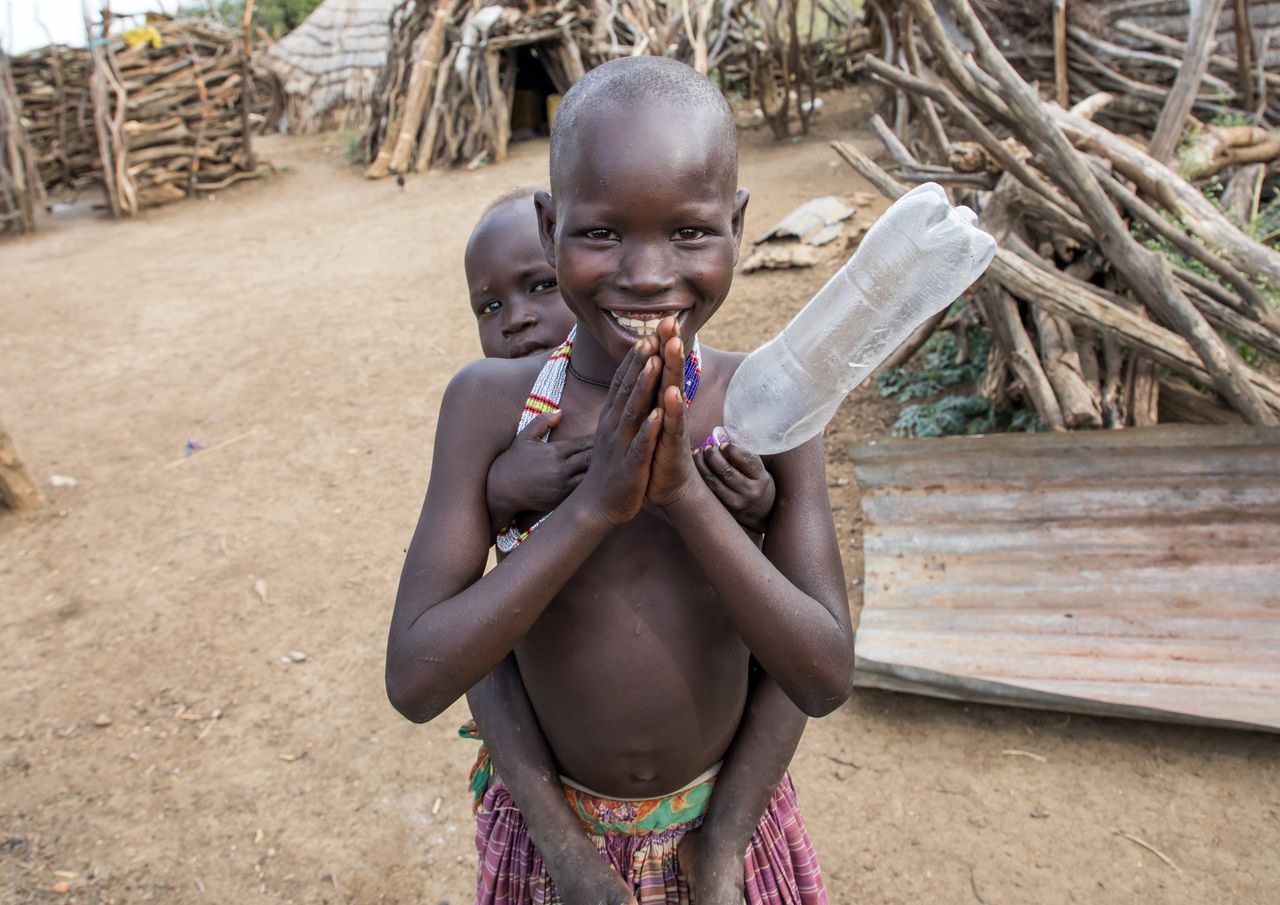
(648, 226)
(513, 289)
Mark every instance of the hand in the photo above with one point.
(533, 476)
(673, 469)
(739, 480)
(626, 435)
(591, 882)
(715, 877)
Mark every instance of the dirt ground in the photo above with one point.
(192, 705)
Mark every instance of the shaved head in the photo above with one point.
(640, 84)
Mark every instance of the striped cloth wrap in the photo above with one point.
(639, 838)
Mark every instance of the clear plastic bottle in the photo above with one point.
(918, 258)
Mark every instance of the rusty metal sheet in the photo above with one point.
(1131, 572)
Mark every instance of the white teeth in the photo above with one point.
(638, 327)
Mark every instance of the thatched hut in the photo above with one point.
(328, 66)
(460, 75)
(455, 73)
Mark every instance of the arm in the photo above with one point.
(515, 741)
(452, 623)
(789, 605)
(533, 476)
(712, 856)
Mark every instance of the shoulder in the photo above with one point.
(495, 377)
(490, 392)
(719, 366)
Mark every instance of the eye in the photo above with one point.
(689, 233)
(490, 307)
(544, 285)
(601, 234)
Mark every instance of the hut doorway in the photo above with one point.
(536, 93)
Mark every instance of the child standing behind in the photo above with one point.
(519, 313)
(635, 608)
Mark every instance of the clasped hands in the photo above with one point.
(641, 447)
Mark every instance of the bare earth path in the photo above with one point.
(314, 320)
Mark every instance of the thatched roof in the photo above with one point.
(330, 63)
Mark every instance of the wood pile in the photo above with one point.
(180, 119)
(53, 85)
(1120, 294)
(155, 115)
(1134, 49)
(445, 97)
(19, 183)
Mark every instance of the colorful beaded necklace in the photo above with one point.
(545, 398)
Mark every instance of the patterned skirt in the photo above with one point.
(639, 839)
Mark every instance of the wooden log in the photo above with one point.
(1115, 411)
(16, 486)
(1157, 181)
(1161, 227)
(428, 50)
(1061, 74)
(933, 124)
(1146, 273)
(426, 147)
(1144, 393)
(1062, 367)
(1203, 16)
(1244, 51)
(897, 150)
(1221, 147)
(1000, 311)
(1242, 194)
(970, 122)
(1181, 401)
(1080, 304)
(994, 385)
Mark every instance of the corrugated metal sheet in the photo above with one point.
(1131, 572)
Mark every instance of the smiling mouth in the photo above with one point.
(645, 323)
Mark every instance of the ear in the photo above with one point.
(739, 221)
(545, 207)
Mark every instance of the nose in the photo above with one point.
(646, 269)
(517, 316)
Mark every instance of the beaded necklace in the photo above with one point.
(545, 396)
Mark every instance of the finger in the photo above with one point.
(578, 460)
(723, 469)
(646, 438)
(700, 463)
(673, 417)
(728, 497)
(624, 381)
(540, 426)
(642, 396)
(746, 462)
(673, 363)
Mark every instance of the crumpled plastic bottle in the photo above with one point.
(917, 259)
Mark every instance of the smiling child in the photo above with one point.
(632, 612)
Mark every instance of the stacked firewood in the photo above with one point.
(19, 184)
(1134, 49)
(153, 115)
(187, 121)
(1120, 294)
(53, 85)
